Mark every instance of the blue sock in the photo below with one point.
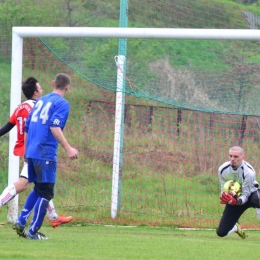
(28, 207)
(40, 210)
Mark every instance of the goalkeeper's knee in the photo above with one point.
(221, 233)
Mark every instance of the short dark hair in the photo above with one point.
(29, 86)
(62, 80)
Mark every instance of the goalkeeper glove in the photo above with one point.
(227, 198)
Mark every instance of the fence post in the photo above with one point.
(242, 129)
(179, 119)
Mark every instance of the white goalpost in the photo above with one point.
(98, 32)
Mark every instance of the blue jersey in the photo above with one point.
(51, 110)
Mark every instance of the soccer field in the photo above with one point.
(107, 242)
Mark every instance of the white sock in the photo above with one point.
(234, 229)
(8, 193)
(52, 215)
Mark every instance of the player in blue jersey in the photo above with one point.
(32, 90)
(43, 132)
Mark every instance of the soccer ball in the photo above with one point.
(232, 187)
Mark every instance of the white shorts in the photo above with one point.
(24, 172)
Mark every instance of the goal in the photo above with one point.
(170, 193)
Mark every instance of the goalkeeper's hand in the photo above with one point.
(227, 198)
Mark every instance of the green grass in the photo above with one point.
(107, 242)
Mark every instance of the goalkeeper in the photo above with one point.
(237, 169)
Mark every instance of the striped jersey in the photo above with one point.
(245, 175)
(19, 118)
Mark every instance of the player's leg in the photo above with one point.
(8, 193)
(31, 200)
(44, 186)
(45, 193)
(20, 224)
(55, 219)
(51, 211)
(230, 218)
(13, 189)
(254, 199)
(22, 184)
(28, 207)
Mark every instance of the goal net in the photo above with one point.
(186, 103)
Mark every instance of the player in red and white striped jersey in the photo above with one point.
(32, 90)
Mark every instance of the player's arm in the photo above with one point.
(222, 181)
(58, 122)
(26, 129)
(6, 128)
(25, 141)
(248, 183)
(59, 136)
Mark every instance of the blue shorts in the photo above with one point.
(41, 171)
